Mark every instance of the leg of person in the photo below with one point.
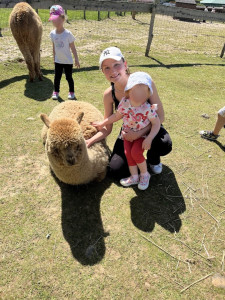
(118, 166)
(220, 122)
(138, 157)
(58, 76)
(161, 146)
(69, 71)
(134, 178)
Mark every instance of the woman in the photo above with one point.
(115, 69)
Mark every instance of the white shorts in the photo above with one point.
(222, 112)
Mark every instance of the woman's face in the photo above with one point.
(114, 70)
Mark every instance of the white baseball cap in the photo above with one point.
(139, 78)
(111, 52)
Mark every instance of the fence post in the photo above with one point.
(99, 16)
(222, 52)
(133, 13)
(150, 35)
(1, 32)
(84, 14)
(108, 14)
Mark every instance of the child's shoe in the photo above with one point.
(144, 181)
(129, 181)
(71, 96)
(55, 96)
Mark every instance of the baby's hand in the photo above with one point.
(146, 144)
(98, 125)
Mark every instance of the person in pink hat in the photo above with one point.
(63, 45)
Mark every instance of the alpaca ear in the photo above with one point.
(45, 119)
(80, 117)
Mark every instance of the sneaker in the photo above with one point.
(144, 181)
(156, 169)
(129, 181)
(55, 96)
(71, 96)
(208, 135)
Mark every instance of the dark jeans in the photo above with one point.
(68, 69)
(161, 146)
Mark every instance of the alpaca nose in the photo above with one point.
(70, 159)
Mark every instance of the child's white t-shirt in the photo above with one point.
(62, 46)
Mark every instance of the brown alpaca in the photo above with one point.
(26, 27)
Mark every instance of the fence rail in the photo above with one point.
(125, 6)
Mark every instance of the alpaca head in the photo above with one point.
(65, 143)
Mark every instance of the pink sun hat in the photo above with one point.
(55, 12)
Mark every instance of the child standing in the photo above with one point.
(63, 44)
(137, 113)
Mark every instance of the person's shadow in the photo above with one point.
(161, 203)
(81, 220)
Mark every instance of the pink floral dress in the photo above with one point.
(136, 117)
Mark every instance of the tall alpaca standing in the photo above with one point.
(26, 27)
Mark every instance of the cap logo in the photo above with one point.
(106, 52)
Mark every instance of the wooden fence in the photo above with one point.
(125, 6)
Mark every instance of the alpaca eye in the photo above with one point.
(55, 151)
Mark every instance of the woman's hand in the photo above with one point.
(146, 144)
(98, 125)
(129, 135)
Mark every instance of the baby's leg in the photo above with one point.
(131, 162)
(134, 178)
(137, 155)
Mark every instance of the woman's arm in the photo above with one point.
(108, 107)
(134, 135)
(146, 145)
(74, 50)
(154, 99)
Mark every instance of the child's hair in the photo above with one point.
(63, 17)
(127, 93)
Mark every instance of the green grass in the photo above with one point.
(44, 15)
(95, 250)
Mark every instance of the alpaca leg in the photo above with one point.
(29, 61)
(37, 66)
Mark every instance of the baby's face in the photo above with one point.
(139, 93)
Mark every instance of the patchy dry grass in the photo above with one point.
(61, 242)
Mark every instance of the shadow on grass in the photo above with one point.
(222, 147)
(170, 66)
(81, 220)
(161, 203)
(38, 90)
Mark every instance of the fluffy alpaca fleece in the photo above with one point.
(64, 135)
(26, 27)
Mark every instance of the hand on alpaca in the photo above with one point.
(98, 125)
